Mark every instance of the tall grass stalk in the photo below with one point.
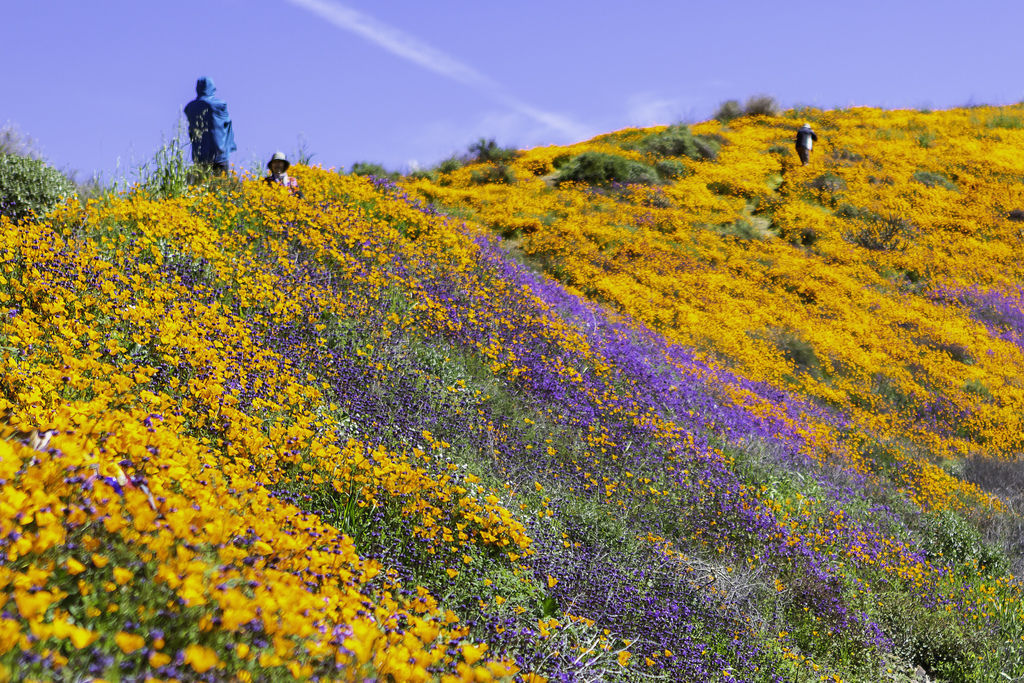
(167, 174)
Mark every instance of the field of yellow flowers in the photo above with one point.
(751, 421)
(882, 280)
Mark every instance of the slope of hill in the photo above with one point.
(753, 421)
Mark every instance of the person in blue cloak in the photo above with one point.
(209, 128)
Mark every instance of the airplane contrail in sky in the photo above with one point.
(412, 49)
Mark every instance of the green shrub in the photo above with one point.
(493, 173)
(423, 174)
(851, 212)
(677, 141)
(656, 199)
(925, 138)
(828, 182)
(674, 141)
(1005, 121)
(726, 188)
(933, 179)
(757, 105)
(933, 639)
(956, 351)
(597, 168)
(798, 351)
(561, 160)
(487, 151)
(761, 105)
(806, 236)
(29, 186)
(728, 110)
(741, 228)
(950, 538)
(368, 168)
(883, 233)
(670, 168)
(708, 146)
(450, 164)
(844, 154)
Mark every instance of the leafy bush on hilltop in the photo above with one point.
(598, 168)
(29, 186)
(677, 141)
(487, 150)
(450, 164)
(368, 168)
(728, 110)
(761, 105)
(757, 105)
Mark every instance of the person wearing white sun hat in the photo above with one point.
(278, 174)
(805, 139)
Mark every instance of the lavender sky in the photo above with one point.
(100, 84)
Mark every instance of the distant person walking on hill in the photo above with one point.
(805, 139)
(278, 167)
(209, 128)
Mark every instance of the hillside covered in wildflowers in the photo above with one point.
(661, 406)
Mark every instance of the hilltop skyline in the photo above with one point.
(406, 84)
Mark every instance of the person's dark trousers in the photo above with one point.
(804, 153)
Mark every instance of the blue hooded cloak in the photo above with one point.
(209, 126)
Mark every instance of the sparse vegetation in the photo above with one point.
(828, 182)
(1009, 121)
(883, 233)
(934, 179)
(493, 173)
(844, 154)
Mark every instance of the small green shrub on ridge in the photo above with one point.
(29, 186)
(677, 141)
(598, 168)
